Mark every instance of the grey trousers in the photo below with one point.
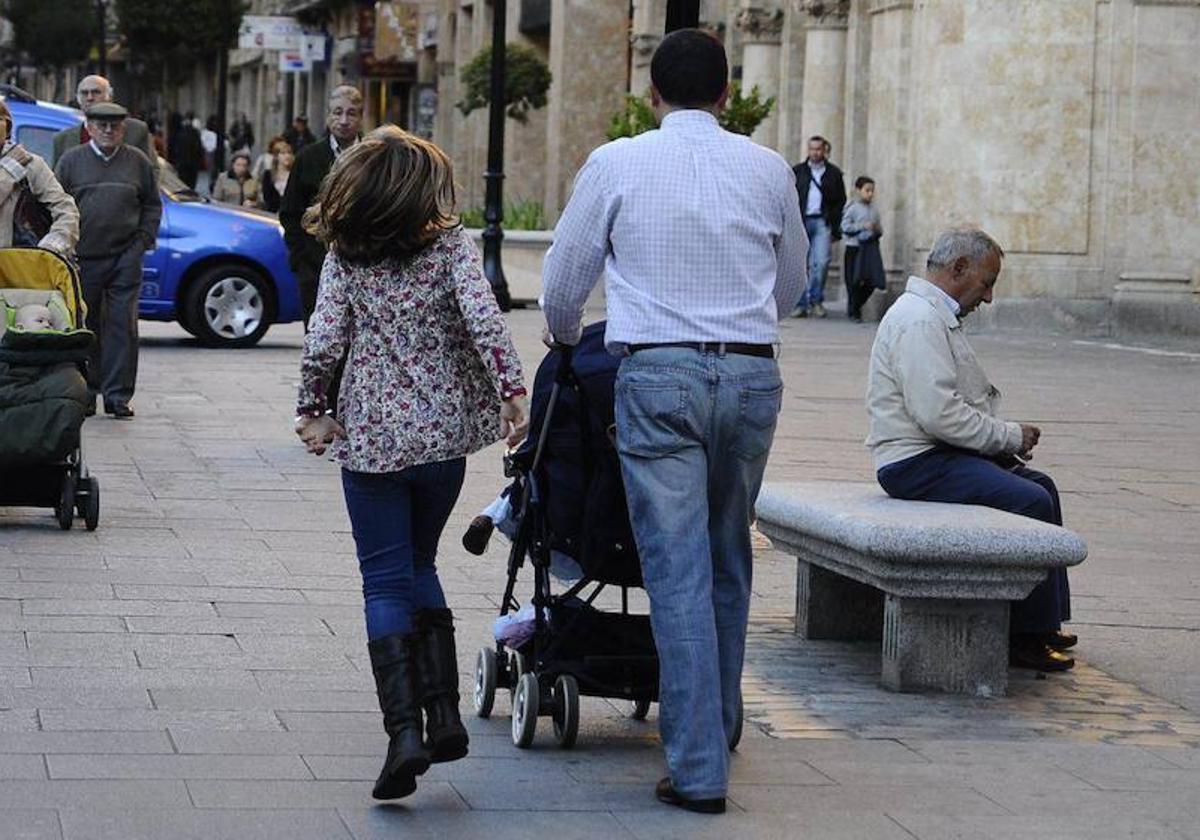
(111, 287)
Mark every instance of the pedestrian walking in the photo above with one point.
(263, 162)
(274, 179)
(699, 237)
(115, 187)
(822, 196)
(93, 90)
(235, 186)
(937, 432)
(432, 376)
(298, 134)
(241, 135)
(862, 263)
(185, 150)
(313, 162)
(35, 211)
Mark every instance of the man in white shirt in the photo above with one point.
(936, 430)
(698, 235)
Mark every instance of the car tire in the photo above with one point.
(228, 306)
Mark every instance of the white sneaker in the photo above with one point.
(818, 311)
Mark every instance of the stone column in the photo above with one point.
(649, 17)
(761, 29)
(823, 111)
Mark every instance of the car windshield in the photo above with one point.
(173, 185)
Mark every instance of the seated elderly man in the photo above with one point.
(936, 432)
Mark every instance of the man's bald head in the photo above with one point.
(92, 90)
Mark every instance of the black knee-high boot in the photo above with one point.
(392, 660)
(437, 685)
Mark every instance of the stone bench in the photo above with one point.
(933, 580)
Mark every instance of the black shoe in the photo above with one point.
(395, 683)
(475, 540)
(90, 411)
(1036, 656)
(437, 685)
(665, 792)
(1060, 640)
(119, 411)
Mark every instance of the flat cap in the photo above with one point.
(106, 111)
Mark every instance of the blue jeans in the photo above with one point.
(397, 519)
(947, 474)
(693, 432)
(820, 245)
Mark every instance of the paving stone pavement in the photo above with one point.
(196, 667)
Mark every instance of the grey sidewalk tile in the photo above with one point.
(84, 677)
(57, 697)
(197, 824)
(1186, 757)
(21, 766)
(148, 794)
(208, 594)
(109, 743)
(298, 661)
(671, 823)
(15, 676)
(432, 796)
(850, 799)
(980, 777)
(29, 825)
(279, 743)
(77, 606)
(70, 657)
(110, 576)
(149, 720)
(415, 823)
(173, 644)
(305, 610)
(1141, 779)
(17, 720)
(332, 721)
(1160, 805)
(1078, 825)
(211, 698)
(559, 795)
(313, 681)
(528, 767)
(66, 766)
(70, 623)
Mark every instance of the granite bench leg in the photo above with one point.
(830, 606)
(945, 645)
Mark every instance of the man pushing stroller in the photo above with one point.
(700, 240)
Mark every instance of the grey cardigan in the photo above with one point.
(854, 217)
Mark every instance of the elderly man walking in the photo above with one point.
(937, 434)
(119, 206)
(305, 254)
(92, 90)
(699, 237)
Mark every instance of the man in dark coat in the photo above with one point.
(93, 90)
(298, 136)
(313, 162)
(822, 194)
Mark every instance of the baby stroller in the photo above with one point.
(43, 393)
(568, 499)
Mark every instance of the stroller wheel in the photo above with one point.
(485, 682)
(90, 505)
(66, 501)
(638, 709)
(566, 711)
(525, 710)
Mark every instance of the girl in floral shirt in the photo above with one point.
(430, 376)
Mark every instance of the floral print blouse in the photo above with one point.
(430, 357)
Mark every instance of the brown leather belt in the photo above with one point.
(765, 351)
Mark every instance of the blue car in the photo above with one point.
(220, 271)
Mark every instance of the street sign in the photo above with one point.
(275, 32)
(294, 61)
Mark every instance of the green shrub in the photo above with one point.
(742, 114)
(526, 81)
(523, 214)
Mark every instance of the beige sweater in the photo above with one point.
(926, 387)
(16, 164)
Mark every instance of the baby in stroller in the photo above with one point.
(33, 317)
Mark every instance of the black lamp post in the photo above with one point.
(493, 206)
(682, 14)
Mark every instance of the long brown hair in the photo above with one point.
(387, 196)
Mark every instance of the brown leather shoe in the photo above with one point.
(1036, 656)
(666, 792)
(1060, 640)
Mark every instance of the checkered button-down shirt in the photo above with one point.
(696, 231)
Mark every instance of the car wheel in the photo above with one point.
(227, 307)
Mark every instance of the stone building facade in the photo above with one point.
(1067, 128)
